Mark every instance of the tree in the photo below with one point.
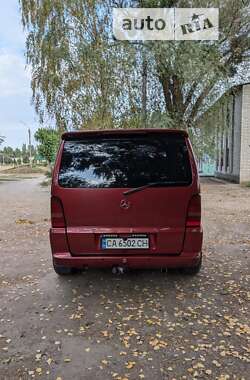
(1, 139)
(194, 74)
(48, 140)
(25, 154)
(8, 154)
(82, 77)
(75, 72)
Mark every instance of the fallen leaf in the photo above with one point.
(24, 221)
(67, 360)
(130, 365)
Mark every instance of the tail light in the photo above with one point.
(194, 212)
(57, 215)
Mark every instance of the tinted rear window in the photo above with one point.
(125, 161)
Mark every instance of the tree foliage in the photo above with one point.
(82, 77)
(20, 156)
(1, 139)
(48, 140)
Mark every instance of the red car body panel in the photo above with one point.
(159, 212)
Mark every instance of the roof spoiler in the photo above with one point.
(109, 132)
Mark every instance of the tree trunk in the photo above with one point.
(144, 90)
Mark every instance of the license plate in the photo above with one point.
(132, 242)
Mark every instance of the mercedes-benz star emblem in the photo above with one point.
(125, 204)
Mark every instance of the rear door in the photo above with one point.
(95, 172)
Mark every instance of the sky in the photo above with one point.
(16, 112)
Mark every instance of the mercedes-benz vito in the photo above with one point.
(126, 198)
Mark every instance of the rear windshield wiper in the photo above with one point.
(152, 184)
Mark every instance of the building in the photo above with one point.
(233, 136)
(206, 166)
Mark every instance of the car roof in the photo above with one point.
(81, 134)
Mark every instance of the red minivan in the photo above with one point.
(126, 199)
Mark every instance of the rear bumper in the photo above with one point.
(182, 260)
(188, 257)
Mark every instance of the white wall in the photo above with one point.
(245, 136)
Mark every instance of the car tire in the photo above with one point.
(61, 270)
(192, 271)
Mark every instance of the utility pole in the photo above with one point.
(29, 146)
(30, 159)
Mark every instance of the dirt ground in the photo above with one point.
(141, 325)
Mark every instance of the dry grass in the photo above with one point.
(25, 169)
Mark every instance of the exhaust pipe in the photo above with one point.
(118, 270)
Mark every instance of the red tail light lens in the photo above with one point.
(194, 212)
(57, 215)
